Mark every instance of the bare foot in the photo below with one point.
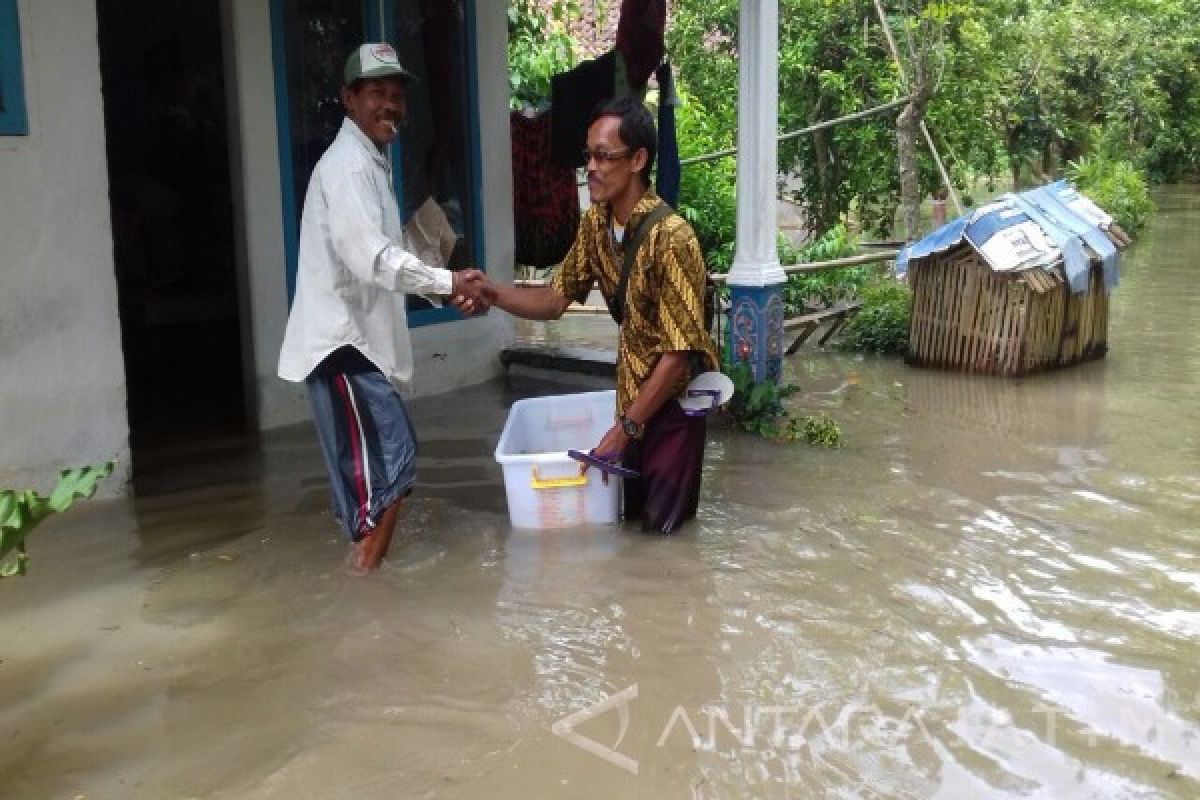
(372, 549)
(368, 553)
(355, 562)
(386, 528)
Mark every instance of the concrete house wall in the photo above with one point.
(62, 378)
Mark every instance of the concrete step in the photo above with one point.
(582, 360)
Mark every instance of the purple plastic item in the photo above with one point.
(714, 397)
(602, 465)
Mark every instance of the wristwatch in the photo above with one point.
(633, 429)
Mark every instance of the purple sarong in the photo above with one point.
(669, 458)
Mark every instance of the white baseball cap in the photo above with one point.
(373, 60)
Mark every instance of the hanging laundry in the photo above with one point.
(640, 31)
(573, 96)
(623, 71)
(666, 181)
(545, 199)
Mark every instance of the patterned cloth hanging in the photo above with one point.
(545, 198)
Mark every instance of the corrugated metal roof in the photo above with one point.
(1049, 227)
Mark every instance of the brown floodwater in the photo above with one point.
(992, 591)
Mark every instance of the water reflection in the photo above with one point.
(992, 591)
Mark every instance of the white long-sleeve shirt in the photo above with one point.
(355, 265)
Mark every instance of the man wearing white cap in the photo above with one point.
(347, 333)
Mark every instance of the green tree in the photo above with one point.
(828, 68)
(538, 48)
(1022, 87)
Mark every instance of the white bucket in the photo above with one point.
(544, 487)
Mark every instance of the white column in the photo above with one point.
(756, 280)
(756, 257)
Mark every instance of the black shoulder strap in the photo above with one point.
(633, 243)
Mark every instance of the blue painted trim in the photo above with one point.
(283, 126)
(473, 117)
(756, 329)
(372, 28)
(432, 316)
(13, 121)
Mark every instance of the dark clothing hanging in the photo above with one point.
(574, 95)
(666, 181)
(545, 199)
(640, 30)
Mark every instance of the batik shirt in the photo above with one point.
(664, 308)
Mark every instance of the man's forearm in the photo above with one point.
(659, 387)
(540, 303)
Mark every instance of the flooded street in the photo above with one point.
(992, 591)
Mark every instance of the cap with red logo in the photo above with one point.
(373, 60)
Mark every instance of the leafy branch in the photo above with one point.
(21, 512)
(757, 407)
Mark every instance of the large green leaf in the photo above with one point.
(20, 512)
(78, 482)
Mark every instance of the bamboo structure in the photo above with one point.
(968, 318)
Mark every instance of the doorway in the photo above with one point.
(173, 233)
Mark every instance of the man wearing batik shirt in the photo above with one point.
(663, 341)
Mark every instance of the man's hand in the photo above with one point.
(471, 292)
(611, 448)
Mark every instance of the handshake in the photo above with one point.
(471, 292)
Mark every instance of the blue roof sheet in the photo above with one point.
(1035, 228)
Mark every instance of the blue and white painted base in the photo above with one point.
(756, 329)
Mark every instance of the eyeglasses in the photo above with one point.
(603, 156)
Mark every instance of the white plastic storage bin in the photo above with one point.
(545, 489)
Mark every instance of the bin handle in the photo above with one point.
(537, 482)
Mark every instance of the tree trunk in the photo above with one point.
(907, 129)
(908, 124)
(1014, 160)
(826, 186)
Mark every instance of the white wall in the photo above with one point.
(472, 347)
(258, 214)
(62, 377)
(446, 355)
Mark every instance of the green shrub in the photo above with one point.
(708, 190)
(881, 324)
(1116, 186)
(757, 407)
(837, 242)
(805, 291)
(821, 431)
